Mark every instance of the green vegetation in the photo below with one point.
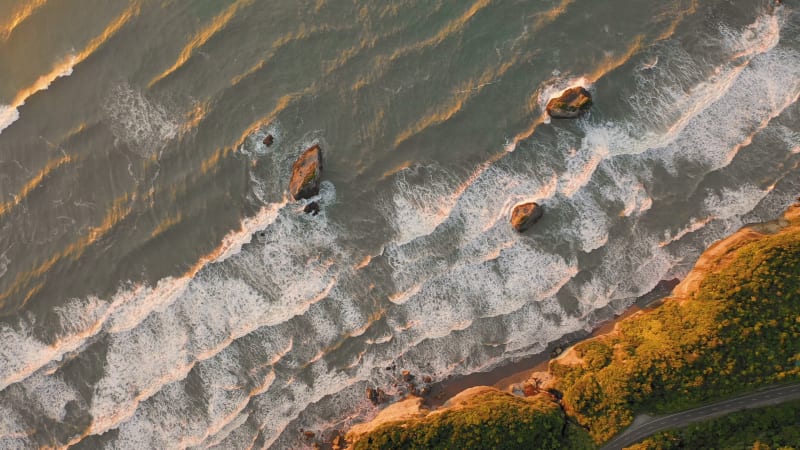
(489, 420)
(774, 427)
(740, 330)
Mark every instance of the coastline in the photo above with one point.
(513, 377)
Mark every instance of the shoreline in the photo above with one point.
(511, 377)
(505, 376)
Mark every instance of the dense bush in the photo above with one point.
(741, 330)
(774, 427)
(490, 420)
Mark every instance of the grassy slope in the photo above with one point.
(739, 329)
(492, 419)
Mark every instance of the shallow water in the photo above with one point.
(158, 289)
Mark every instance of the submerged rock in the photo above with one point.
(306, 174)
(573, 103)
(525, 215)
(312, 208)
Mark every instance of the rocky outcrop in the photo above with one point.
(376, 396)
(525, 215)
(312, 208)
(408, 409)
(572, 103)
(306, 174)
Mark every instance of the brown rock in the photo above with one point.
(372, 395)
(525, 215)
(530, 389)
(427, 379)
(309, 434)
(573, 103)
(306, 174)
(269, 140)
(407, 376)
(376, 396)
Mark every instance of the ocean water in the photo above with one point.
(160, 289)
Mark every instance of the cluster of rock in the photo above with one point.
(307, 169)
(336, 443)
(305, 184)
(407, 384)
(572, 103)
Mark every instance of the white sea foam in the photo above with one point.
(631, 266)
(50, 394)
(693, 225)
(591, 223)
(139, 122)
(8, 115)
(474, 293)
(254, 145)
(420, 205)
(22, 354)
(582, 164)
(13, 434)
(529, 330)
(628, 185)
(213, 311)
(730, 205)
(679, 94)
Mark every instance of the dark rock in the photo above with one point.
(525, 215)
(309, 434)
(573, 103)
(306, 174)
(312, 208)
(376, 396)
(407, 376)
(427, 379)
(372, 395)
(269, 140)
